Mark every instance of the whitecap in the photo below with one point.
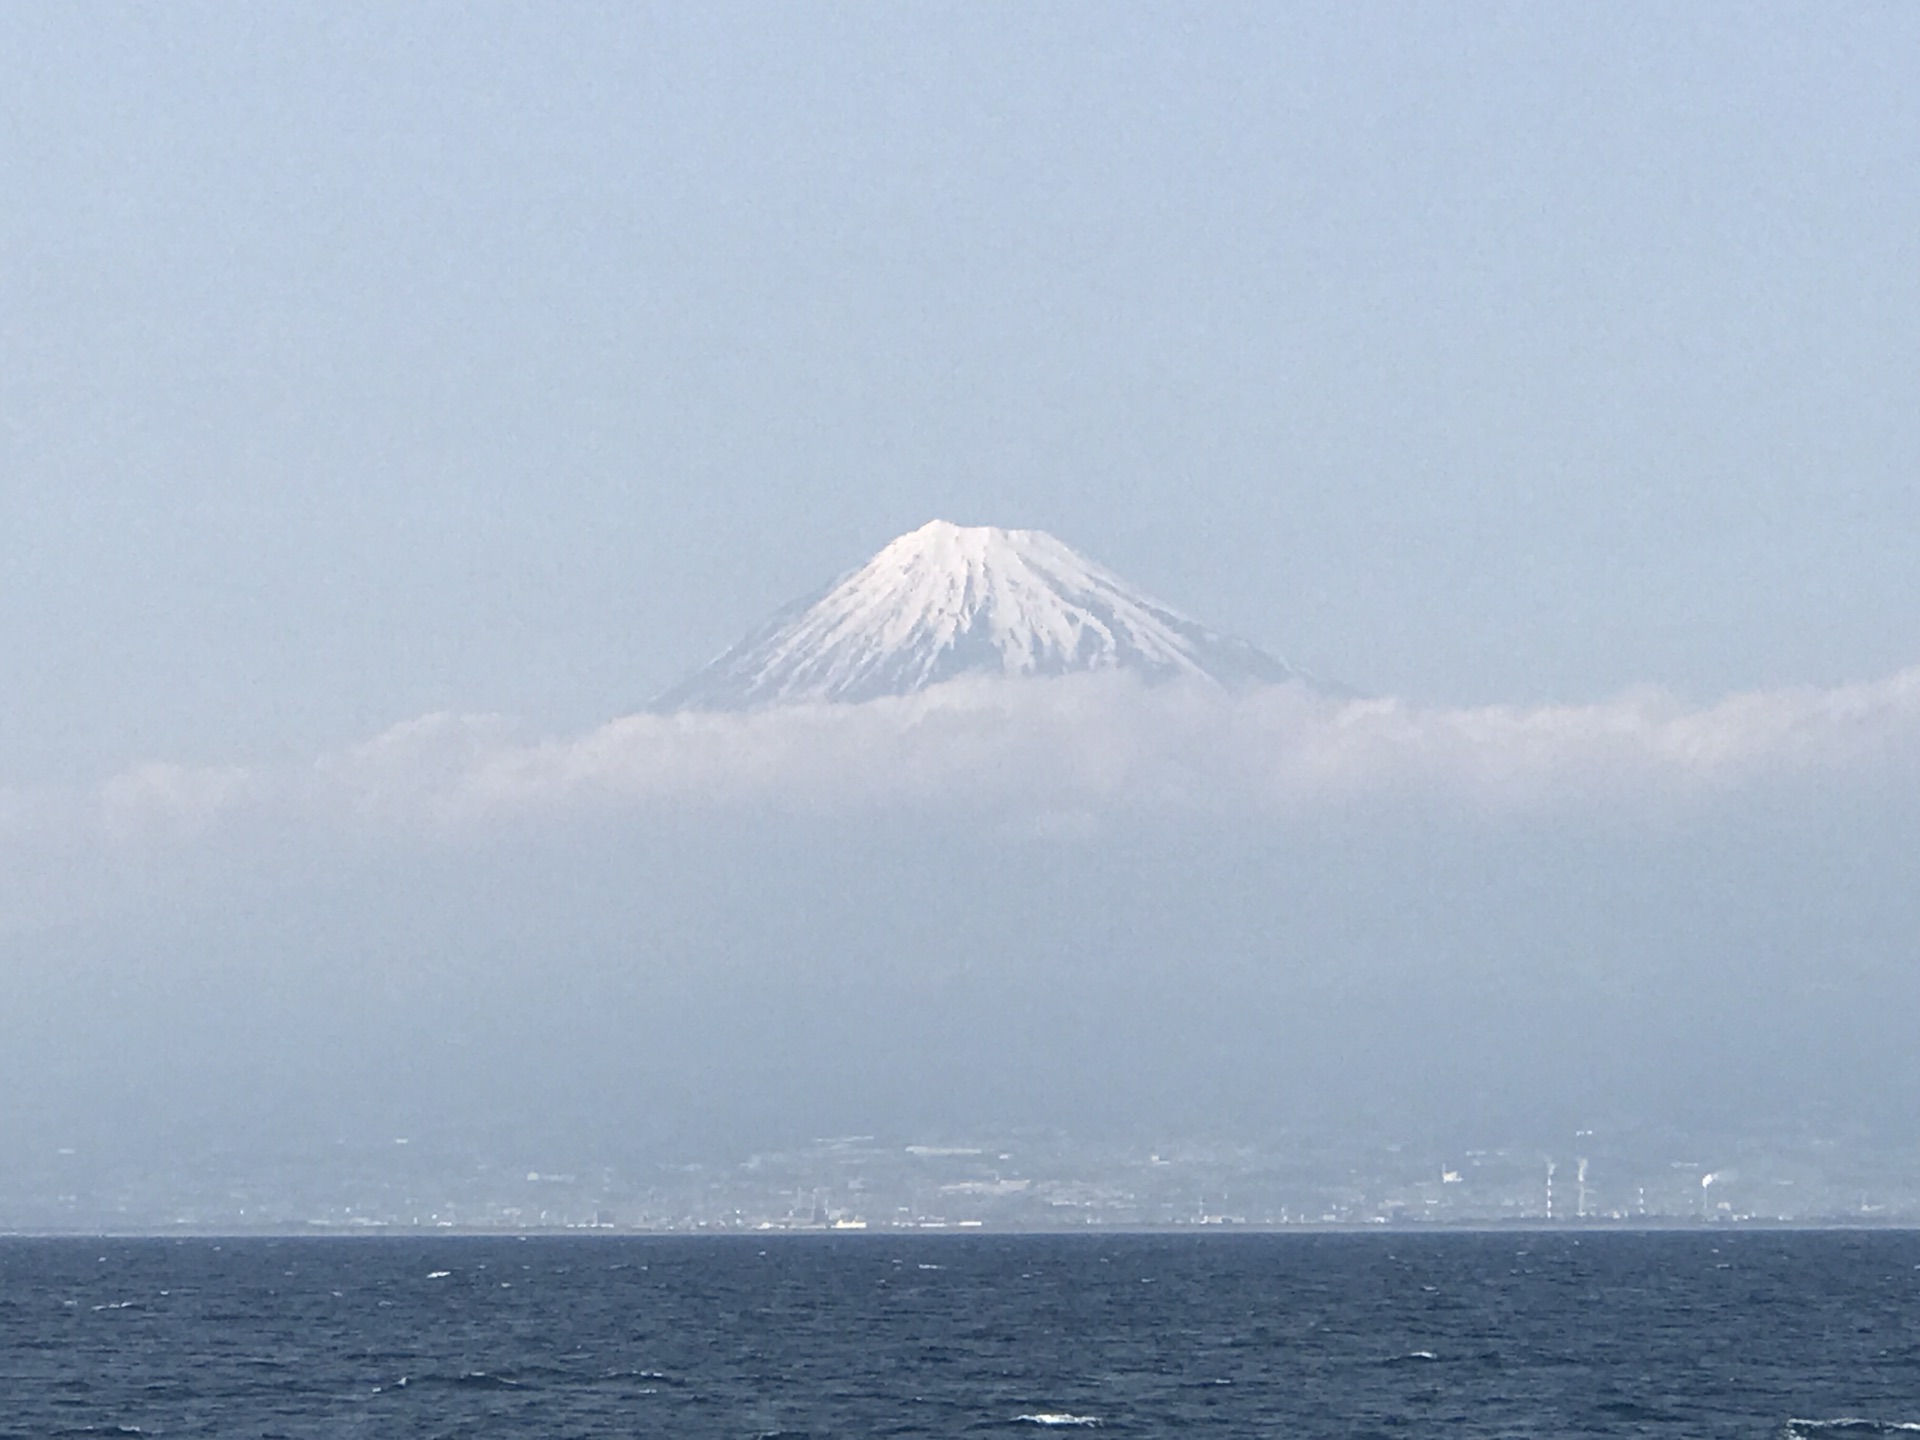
(1056, 1417)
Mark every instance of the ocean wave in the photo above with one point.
(1847, 1426)
(465, 1380)
(1056, 1418)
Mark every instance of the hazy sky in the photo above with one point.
(1547, 372)
(365, 360)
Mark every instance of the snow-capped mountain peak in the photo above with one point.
(949, 600)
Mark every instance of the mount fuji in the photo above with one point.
(948, 601)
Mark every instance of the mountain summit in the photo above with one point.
(948, 601)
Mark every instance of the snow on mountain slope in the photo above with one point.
(948, 601)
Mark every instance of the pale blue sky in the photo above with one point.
(364, 360)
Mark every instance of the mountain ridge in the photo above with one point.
(946, 601)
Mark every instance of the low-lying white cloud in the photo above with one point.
(1041, 902)
(1036, 749)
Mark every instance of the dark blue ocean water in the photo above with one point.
(1378, 1335)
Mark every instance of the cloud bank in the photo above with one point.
(1075, 748)
(1053, 902)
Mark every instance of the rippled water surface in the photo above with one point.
(1694, 1334)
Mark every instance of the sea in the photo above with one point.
(1747, 1333)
